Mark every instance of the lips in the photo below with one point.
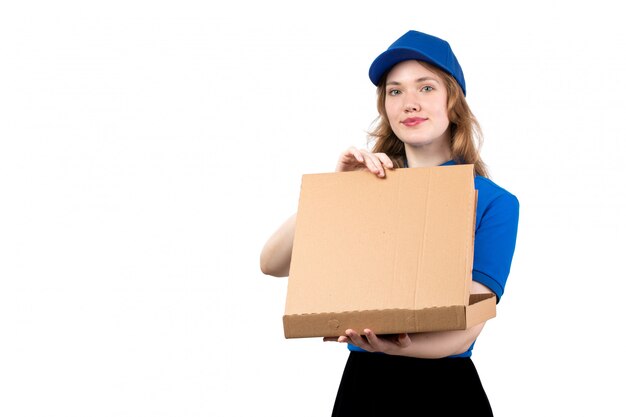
(413, 121)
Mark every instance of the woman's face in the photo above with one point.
(416, 105)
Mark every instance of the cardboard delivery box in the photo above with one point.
(393, 255)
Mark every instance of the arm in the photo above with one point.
(429, 345)
(276, 254)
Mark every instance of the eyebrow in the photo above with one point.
(419, 80)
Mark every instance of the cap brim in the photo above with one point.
(385, 61)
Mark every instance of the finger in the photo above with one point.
(385, 159)
(382, 161)
(377, 163)
(356, 154)
(356, 339)
(349, 160)
(373, 164)
(340, 339)
(404, 340)
(373, 340)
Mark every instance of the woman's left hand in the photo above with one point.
(390, 344)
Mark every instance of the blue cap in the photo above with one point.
(420, 46)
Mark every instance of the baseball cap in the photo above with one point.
(420, 46)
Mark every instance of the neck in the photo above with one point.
(427, 156)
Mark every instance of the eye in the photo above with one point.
(393, 92)
(427, 88)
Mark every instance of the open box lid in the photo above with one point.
(366, 246)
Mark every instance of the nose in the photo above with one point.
(411, 103)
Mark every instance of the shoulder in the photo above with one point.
(493, 197)
(492, 191)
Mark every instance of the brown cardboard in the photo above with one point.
(393, 255)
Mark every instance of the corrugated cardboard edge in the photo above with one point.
(482, 307)
(379, 321)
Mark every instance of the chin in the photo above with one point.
(417, 143)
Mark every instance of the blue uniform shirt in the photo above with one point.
(497, 215)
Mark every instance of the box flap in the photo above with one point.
(364, 243)
(482, 307)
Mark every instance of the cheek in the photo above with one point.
(391, 108)
(444, 116)
(387, 108)
(442, 110)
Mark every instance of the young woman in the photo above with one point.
(424, 120)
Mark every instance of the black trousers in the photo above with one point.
(375, 384)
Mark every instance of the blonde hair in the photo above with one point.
(466, 135)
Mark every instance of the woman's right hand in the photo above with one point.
(353, 159)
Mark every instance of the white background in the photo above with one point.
(149, 149)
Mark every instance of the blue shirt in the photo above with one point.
(497, 215)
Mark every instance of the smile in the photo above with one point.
(413, 121)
